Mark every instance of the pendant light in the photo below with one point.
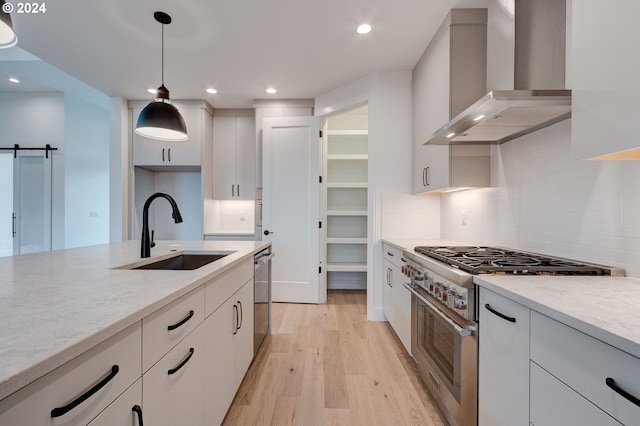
(8, 37)
(160, 119)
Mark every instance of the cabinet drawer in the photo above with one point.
(554, 403)
(584, 364)
(393, 254)
(174, 386)
(120, 412)
(33, 404)
(167, 326)
(218, 290)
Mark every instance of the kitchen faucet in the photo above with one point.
(146, 241)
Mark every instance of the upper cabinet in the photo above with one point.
(450, 76)
(151, 152)
(234, 156)
(604, 79)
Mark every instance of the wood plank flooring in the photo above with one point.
(328, 365)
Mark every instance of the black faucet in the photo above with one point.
(146, 241)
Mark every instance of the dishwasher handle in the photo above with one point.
(263, 259)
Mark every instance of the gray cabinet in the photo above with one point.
(450, 76)
(604, 80)
(234, 157)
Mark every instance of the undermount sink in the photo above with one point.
(186, 262)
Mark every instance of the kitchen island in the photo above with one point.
(57, 305)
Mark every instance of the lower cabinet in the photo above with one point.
(76, 392)
(124, 411)
(533, 369)
(554, 403)
(396, 298)
(503, 361)
(174, 386)
(229, 351)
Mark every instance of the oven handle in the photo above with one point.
(463, 332)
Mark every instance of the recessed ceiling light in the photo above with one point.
(271, 90)
(450, 135)
(14, 80)
(364, 29)
(478, 118)
(152, 91)
(212, 91)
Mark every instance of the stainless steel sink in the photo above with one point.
(183, 262)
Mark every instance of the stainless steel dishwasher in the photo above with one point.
(262, 293)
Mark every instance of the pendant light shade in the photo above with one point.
(8, 37)
(160, 119)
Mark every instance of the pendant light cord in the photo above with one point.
(162, 56)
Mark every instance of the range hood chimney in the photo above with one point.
(539, 98)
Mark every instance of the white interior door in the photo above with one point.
(7, 221)
(291, 206)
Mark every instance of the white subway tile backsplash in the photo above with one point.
(544, 201)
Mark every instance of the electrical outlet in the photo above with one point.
(93, 214)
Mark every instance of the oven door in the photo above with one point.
(447, 358)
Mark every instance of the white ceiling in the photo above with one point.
(303, 48)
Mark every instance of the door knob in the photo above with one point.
(267, 232)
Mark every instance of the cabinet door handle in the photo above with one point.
(500, 314)
(163, 155)
(389, 277)
(623, 393)
(138, 410)
(169, 154)
(13, 225)
(235, 308)
(233, 190)
(181, 322)
(427, 175)
(241, 314)
(60, 411)
(177, 368)
(238, 189)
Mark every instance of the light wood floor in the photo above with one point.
(328, 365)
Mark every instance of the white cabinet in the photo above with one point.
(397, 299)
(151, 152)
(124, 411)
(554, 403)
(234, 157)
(604, 81)
(503, 361)
(597, 371)
(101, 374)
(167, 326)
(229, 351)
(174, 386)
(345, 188)
(450, 76)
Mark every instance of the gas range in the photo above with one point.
(445, 273)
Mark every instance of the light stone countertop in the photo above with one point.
(56, 305)
(606, 308)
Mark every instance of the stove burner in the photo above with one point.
(496, 260)
(516, 262)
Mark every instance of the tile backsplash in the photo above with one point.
(410, 217)
(544, 201)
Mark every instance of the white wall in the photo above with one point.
(86, 182)
(541, 200)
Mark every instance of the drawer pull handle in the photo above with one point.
(184, 361)
(390, 254)
(241, 314)
(501, 315)
(235, 308)
(138, 411)
(61, 411)
(612, 384)
(178, 324)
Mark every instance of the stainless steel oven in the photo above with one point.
(262, 297)
(446, 355)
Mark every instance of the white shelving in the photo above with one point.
(345, 187)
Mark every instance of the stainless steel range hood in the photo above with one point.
(539, 98)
